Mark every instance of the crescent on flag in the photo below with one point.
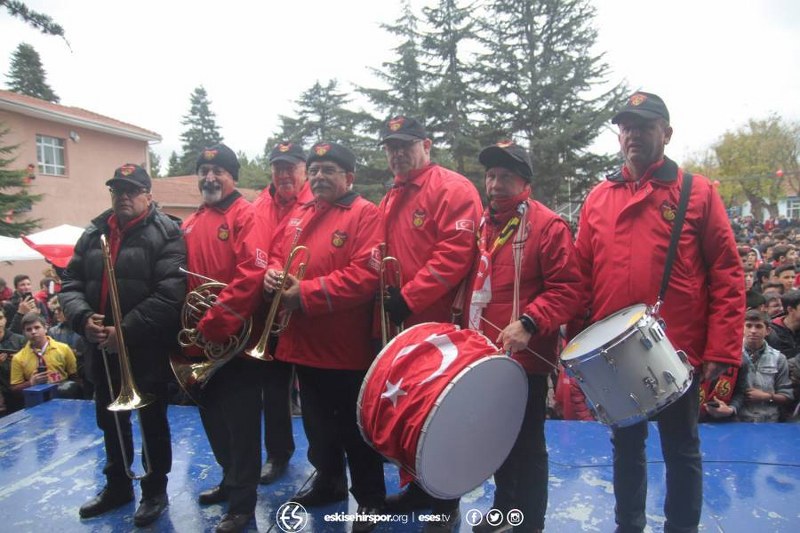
(449, 353)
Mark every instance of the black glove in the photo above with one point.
(397, 306)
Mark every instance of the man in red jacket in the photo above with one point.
(430, 216)
(623, 236)
(328, 337)
(218, 247)
(289, 188)
(526, 284)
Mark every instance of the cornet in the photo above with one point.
(259, 351)
(388, 330)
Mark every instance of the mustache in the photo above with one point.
(210, 186)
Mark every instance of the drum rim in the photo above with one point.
(423, 431)
(624, 335)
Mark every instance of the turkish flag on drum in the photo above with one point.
(405, 381)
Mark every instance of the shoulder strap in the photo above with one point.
(677, 226)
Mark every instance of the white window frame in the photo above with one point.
(792, 208)
(51, 155)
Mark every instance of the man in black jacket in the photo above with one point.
(147, 250)
(785, 334)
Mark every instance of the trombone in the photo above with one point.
(260, 350)
(129, 398)
(388, 330)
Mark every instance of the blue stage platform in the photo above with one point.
(51, 458)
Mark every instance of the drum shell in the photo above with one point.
(632, 376)
(469, 430)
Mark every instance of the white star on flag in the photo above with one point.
(393, 391)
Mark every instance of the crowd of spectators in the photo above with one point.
(36, 344)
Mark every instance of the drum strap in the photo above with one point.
(677, 226)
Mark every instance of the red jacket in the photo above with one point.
(549, 287)
(269, 213)
(220, 246)
(332, 328)
(622, 244)
(430, 224)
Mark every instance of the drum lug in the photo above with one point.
(647, 343)
(651, 382)
(669, 377)
(657, 331)
(683, 357)
(609, 359)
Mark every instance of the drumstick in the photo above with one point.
(526, 348)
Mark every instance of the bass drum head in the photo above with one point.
(472, 427)
(603, 332)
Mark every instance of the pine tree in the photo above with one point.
(542, 86)
(174, 165)
(322, 115)
(202, 130)
(450, 95)
(252, 172)
(14, 197)
(404, 76)
(27, 75)
(40, 21)
(155, 163)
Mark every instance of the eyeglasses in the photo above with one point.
(326, 170)
(399, 146)
(127, 191)
(206, 170)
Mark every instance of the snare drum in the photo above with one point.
(627, 367)
(443, 405)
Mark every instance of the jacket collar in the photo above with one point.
(345, 201)
(664, 172)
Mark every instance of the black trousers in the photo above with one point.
(276, 385)
(155, 426)
(680, 446)
(231, 415)
(329, 399)
(521, 481)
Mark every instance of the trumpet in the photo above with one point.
(260, 351)
(129, 398)
(192, 373)
(388, 330)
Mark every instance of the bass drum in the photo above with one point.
(443, 405)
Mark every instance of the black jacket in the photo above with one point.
(151, 291)
(784, 339)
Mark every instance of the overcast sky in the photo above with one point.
(716, 63)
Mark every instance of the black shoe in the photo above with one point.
(232, 523)
(446, 526)
(273, 469)
(217, 494)
(150, 509)
(323, 490)
(410, 499)
(362, 523)
(105, 500)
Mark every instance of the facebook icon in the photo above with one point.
(474, 517)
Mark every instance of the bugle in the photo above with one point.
(194, 373)
(129, 398)
(260, 350)
(385, 280)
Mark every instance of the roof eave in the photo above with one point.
(71, 120)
